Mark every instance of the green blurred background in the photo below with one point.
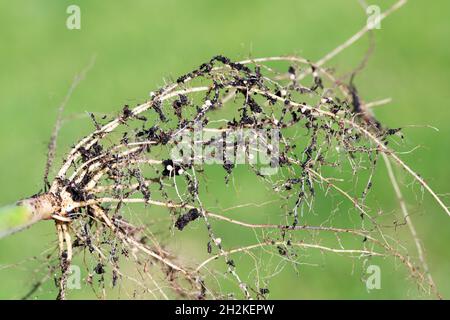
(138, 44)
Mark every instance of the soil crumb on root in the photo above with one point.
(184, 220)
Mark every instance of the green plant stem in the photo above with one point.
(24, 213)
(15, 218)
